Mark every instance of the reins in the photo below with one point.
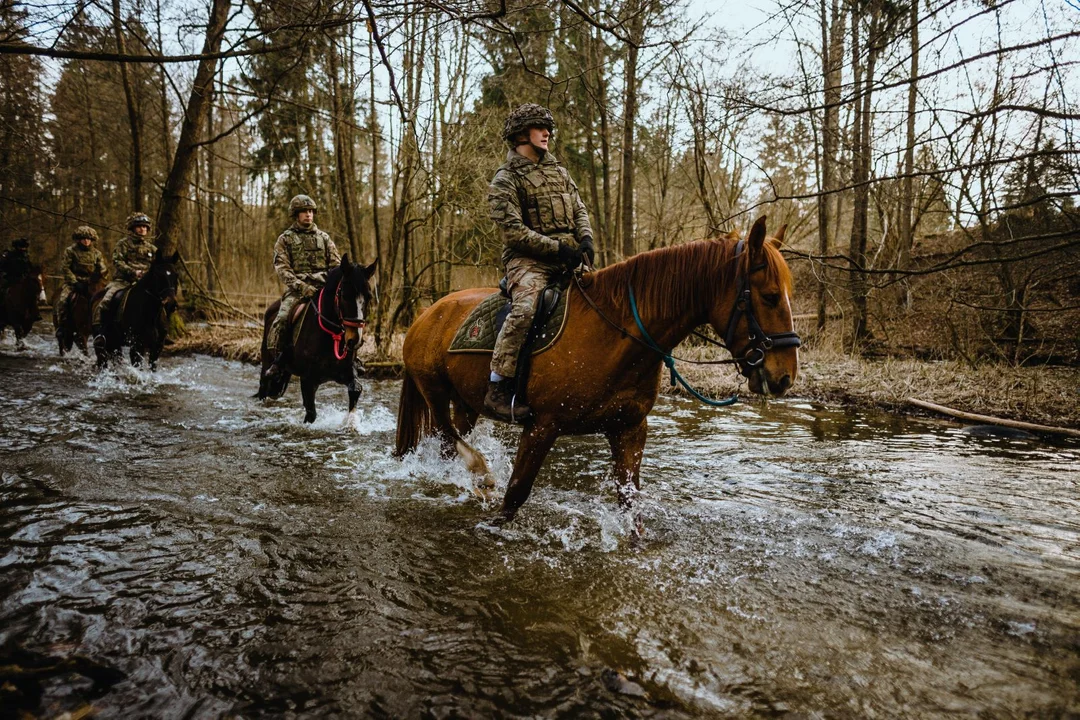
(753, 357)
(341, 350)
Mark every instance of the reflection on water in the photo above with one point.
(171, 548)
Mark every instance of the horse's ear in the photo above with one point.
(370, 269)
(780, 234)
(757, 235)
(175, 257)
(345, 261)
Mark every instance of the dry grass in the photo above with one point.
(1046, 395)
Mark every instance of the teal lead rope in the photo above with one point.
(670, 361)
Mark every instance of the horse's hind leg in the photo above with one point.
(449, 431)
(464, 418)
(536, 441)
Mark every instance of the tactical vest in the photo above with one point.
(82, 262)
(307, 251)
(138, 254)
(546, 197)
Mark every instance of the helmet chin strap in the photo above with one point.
(540, 152)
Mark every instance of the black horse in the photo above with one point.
(325, 344)
(74, 329)
(19, 304)
(139, 319)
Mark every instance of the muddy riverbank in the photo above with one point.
(1045, 395)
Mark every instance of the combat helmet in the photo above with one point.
(301, 202)
(84, 231)
(138, 218)
(527, 116)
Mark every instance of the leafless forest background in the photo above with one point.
(923, 154)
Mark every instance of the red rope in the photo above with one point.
(339, 338)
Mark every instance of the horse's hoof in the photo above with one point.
(485, 488)
(308, 419)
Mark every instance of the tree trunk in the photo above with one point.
(907, 194)
(344, 182)
(211, 197)
(173, 194)
(629, 121)
(832, 48)
(133, 114)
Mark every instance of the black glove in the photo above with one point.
(80, 287)
(588, 252)
(569, 256)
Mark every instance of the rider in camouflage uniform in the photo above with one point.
(15, 263)
(546, 231)
(81, 262)
(132, 257)
(303, 255)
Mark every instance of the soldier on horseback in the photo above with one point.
(82, 263)
(132, 257)
(303, 254)
(15, 263)
(546, 231)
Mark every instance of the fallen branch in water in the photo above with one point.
(990, 420)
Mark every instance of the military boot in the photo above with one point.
(500, 401)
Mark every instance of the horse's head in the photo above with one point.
(161, 279)
(355, 293)
(759, 329)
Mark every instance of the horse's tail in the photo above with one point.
(414, 419)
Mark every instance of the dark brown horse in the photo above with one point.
(75, 328)
(602, 375)
(139, 319)
(327, 339)
(19, 304)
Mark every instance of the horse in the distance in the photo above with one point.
(601, 376)
(74, 330)
(324, 345)
(19, 304)
(138, 316)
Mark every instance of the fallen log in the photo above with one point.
(990, 420)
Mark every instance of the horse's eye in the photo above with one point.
(771, 299)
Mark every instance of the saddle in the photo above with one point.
(478, 332)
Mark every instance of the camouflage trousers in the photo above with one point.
(63, 302)
(526, 279)
(277, 325)
(106, 300)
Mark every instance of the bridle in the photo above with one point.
(760, 341)
(336, 329)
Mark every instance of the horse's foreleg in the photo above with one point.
(354, 395)
(627, 446)
(307, 390)
(536, 441)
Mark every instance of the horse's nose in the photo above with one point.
(782, 385)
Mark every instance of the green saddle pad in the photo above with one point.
(479, 330)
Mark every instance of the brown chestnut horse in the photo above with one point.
(598, 378)
(19, 304)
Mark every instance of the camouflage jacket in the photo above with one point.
(303, 256)
(132, 254)
(81, 263)
(535, 205)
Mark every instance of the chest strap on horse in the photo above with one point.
(670, 361)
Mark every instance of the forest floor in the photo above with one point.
(1048, 395)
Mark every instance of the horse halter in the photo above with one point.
(760, 341)
(338, 334)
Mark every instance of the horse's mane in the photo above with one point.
(669, 281)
